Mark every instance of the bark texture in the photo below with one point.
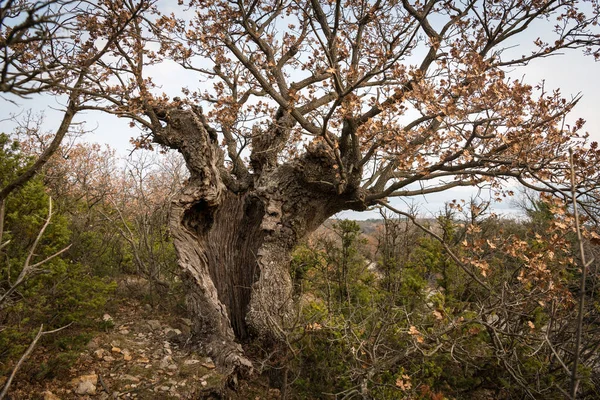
(234, 238)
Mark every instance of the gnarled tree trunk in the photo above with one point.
(234, 241)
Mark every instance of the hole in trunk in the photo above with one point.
(199, 218)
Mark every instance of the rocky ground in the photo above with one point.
(143, 355)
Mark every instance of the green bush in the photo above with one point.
(56, 293)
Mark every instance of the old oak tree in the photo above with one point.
(310, 107)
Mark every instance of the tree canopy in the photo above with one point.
(377, 94)
(374, 95)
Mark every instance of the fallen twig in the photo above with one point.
(27, 354)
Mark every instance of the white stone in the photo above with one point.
(85, 387)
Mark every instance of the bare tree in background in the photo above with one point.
(54, 48)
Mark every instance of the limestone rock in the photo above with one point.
(165, 362)
(172, 334)
(93, 378)
(153, 324)
(85, 387)
(99, 354)
(86, 384)
(208, 363)
(130, 378)
(48, 395)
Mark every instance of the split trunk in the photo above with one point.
(234, 241)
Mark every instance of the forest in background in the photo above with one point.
(462, 305)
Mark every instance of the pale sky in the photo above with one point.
(573, 73)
